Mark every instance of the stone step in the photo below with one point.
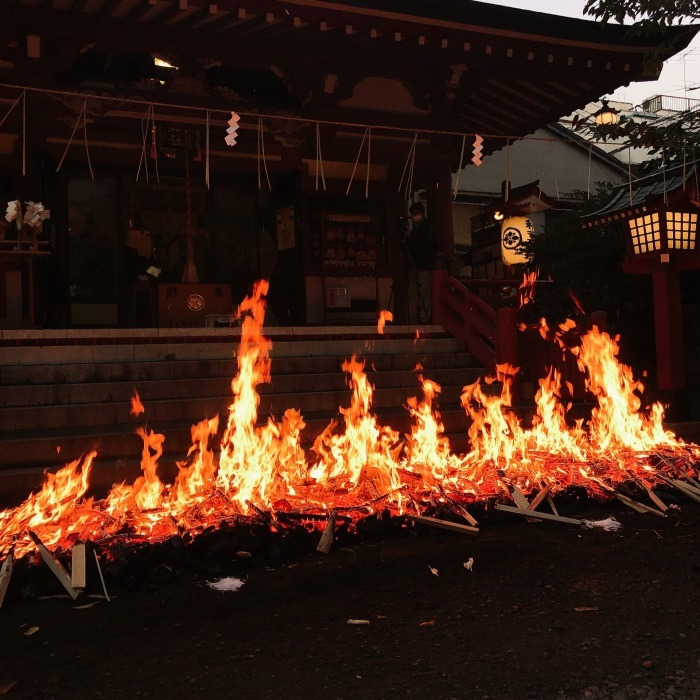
(338, 345)
(197, 408)
(158, 389)
(76, 373)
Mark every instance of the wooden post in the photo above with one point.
(78, 574)
(668, 328)
(59, 572)
(5, 575)
(102, 578)
(444, 524)
(546, 516)
(326, 540)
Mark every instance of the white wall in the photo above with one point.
(561, 167)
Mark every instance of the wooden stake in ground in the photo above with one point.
(545, 516)
(326, 541)
(519, 497)
(460, 509)
(5, 575)
(78, 572)
(59, 572)
(102, 579)
(636, 505)
(540, 497)
(444, 524)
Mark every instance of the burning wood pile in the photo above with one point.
(360, 467)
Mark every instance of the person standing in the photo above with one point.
(420, 247)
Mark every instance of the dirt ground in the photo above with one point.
(547, 611)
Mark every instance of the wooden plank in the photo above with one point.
(443, 524)
(59, 572)
(550, 500)
(683, 486)
(78, 572)
(520, 500)
(326, 541)
(102, 580)
(661, 505)
(688, 484)
(466, 514)
(636, 505)
(540, 497)
(654, 498)
(460, 509)
(5, 575)
(686, 489)
(545, 516)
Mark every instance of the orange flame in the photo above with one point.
(577, 303)
(384, 316)
(527, 287)
(136, 405)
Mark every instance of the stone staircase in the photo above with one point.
(63, 393)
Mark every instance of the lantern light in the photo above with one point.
(606, 115)
(162, 63)
(504, 209)
(663, 230)
(515, 231)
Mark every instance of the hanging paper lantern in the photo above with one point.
(515, 230)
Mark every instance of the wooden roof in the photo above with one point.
(450, 65)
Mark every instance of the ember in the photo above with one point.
(262, 471)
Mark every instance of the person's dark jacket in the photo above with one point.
(421, 246)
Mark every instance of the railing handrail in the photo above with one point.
(466, 316)
(492, 335)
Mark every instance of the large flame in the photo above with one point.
(357, 463)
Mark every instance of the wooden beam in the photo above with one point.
(177, 12)
(78, 571)
(102, 580)
(636, 505)
(326, 541)
(5, 575)
(59, 572)
(550, 500)
(545, 516)
(540, 496)
(518, 496)
(685, 488)
(443, 524)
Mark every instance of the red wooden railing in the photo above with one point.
(489, 333)
(493, 335)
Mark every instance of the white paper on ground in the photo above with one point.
(609, 524)
(229, 583)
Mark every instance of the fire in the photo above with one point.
(384, 316)
(358, 464)
(577, 303)
(136, 405)
(527, 288)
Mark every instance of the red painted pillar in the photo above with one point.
(668, 328)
